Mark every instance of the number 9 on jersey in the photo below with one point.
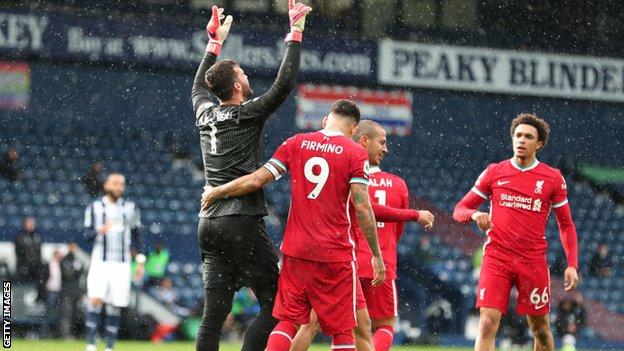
(319, 179)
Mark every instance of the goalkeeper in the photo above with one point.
(235, 248)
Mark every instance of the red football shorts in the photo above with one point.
(360, 299)
(382, 301)
(531, 278)
(327, 287)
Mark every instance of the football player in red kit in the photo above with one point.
(385, 189)
(522, 191)
(390, 197)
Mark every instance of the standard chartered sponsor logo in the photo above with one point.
(517, 198)
(520, 202)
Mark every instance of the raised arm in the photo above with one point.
(286, 80)
(200, 96)
(217, 32)
(368, 224)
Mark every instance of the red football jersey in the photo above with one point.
(323, 165)
(389, 190)
(520, 201)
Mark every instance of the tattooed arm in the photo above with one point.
(368, 224)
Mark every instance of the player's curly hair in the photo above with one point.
(220, 79)
(543, 129)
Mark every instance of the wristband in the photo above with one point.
(214, 47)
(294, 35)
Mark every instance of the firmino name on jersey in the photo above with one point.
(520, 202)
(380, 182)
(323, 147)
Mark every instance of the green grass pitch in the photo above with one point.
(56, 345)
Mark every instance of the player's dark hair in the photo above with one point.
(220, 79)
(346, 108)
(543, 129)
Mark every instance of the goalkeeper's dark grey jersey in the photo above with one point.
(231, 135)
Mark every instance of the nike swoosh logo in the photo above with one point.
(537, 307)
(503, 183)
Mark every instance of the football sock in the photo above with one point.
(281, 337)
(382, 339)
(92, 322)
(111, 325)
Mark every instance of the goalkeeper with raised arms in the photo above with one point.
(235, 248)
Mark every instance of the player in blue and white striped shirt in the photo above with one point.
(112, 223)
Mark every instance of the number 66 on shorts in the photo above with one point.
(539, 300)
(498, 276)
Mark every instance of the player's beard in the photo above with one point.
(112, 195)
(247, 92)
